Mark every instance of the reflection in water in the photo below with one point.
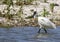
(28, 34)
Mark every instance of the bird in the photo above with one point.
(43, 22)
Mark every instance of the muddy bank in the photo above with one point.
(24, 23)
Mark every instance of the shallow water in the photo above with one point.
(29, 34)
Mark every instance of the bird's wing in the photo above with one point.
(44, 22)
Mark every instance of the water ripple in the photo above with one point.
(29, 34)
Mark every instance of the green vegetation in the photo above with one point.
(9, 16)
(52, 7)
(8, 2)
(24, 2)
(45, 13)
(45, 1)
(28, 2)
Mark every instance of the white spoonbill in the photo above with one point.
(43, 22)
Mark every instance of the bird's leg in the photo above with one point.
(45, 30)
(39, 31)
(40, 28)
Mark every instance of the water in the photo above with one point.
(29, 34)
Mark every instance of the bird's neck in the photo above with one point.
(34, 14)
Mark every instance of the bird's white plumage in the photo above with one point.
(45, 23)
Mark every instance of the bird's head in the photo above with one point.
(32, 16)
